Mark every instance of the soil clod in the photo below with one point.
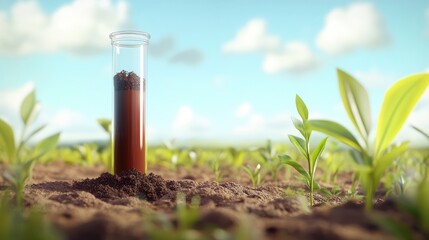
(131, 183)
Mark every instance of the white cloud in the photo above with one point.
(346, 29)
(296, 57)
(73, 125)
(253, 37)
(243, 110)
(373, 78)
(272, 127)
(80, 27)
(11, 100)
(189, 57)
(190, 124)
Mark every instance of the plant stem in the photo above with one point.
(311, 190)
(369, 193)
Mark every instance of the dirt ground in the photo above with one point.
(87, 204)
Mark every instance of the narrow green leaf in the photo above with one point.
(385, 160)
(46, 144)
(105, 124)
(421, 131)
(336, 131)
(27, 107)
(357, 156)
(317, 152)
(299, 143)
(34, 132)
(7, 140)
(356, 102)
(398, 103)
(298, 125)
(298, 168)
(301, 107)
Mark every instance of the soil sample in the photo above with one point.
(129, 140)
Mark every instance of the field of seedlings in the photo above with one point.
(345, 185)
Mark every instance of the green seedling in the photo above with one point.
(88, 153)
(237, 156)
(398, 103)
(106, 154)
(303, 146)
(254, 174)
(159, 226)
(21, 157)
(414, 205)
(271, 161)
(17, 225)
(215, 165)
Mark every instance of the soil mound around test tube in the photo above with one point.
(131, 183)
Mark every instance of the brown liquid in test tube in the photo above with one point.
(129, 132)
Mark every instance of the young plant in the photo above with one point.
(398, 103)
(106, 154)
(254, 174)
(303, 146)
(21, 157)
(19, 225)
(215, 165)
(271, 161)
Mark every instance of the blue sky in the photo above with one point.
(218, 70)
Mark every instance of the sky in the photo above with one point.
(225, 71)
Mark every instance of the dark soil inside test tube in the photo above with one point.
(129, 123)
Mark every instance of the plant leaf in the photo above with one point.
(298, 125)
(27, 107)
(299, 143)
(385, 161)
(46, 145)
(7, 140)
(398, 103)
(301, 107)
(356, 102)
(421, 131)
(34, 132)
(317, 152)
(298, 168)
(105, 124)
(357, 156)
(336, 131)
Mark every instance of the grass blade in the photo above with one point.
(301, 107)
(398, 103)
(27, 107)
(356, 102)
(336, 131)
(7, 140)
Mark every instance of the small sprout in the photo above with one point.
(303, 146)
(374, 160)
(254, 174)
(21, 158)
